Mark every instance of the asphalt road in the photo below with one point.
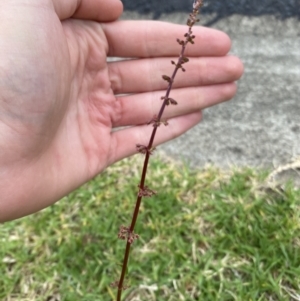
(261, 125)
(220, 8)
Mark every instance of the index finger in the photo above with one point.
(157, 39)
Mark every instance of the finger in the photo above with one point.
(124, 141)
(146, 74)
(155, 38)
(97, 10)
(140, 108)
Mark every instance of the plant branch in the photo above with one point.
(127, 233)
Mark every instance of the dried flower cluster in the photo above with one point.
(156, 122)
(127, 233)
(145, 192)
(143, 149)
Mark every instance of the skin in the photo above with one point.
(60, 100)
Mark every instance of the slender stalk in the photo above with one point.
(127, 233)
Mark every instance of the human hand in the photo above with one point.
(60, 100)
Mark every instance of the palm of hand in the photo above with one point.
(61, 106)
(83, 137)
(58, 105)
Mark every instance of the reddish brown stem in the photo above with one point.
(181, 60)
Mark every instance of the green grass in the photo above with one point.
(207, 235)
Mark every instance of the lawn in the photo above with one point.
(207, 235)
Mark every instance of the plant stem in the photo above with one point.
(143, 190)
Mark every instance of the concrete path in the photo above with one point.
(261, 126)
